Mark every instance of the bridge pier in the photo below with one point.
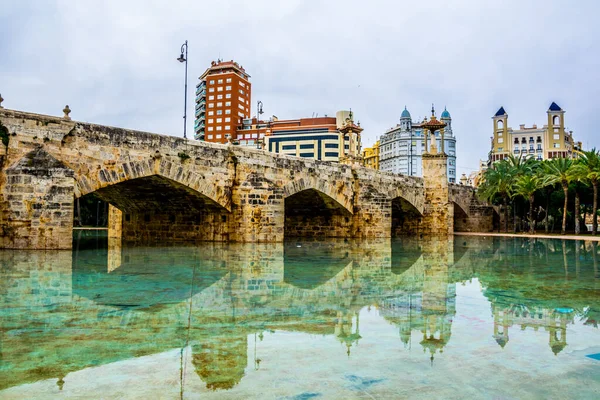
(438, 212)
(37, 211)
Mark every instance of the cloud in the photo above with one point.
(114, 62)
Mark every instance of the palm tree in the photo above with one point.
(560, 170)
(518, 166)
(588, 165)
(526, 186)
(497, 182)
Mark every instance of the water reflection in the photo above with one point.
(66, 311)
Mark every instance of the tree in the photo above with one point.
(526, 186)
(561, 171)
(588, 165)
(497, 182)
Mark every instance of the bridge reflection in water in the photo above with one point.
(67, 311)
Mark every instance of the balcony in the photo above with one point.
(199, 124)
(200, 112)
(539, 150)
(200, 98)
(531, 150)
(517, 151)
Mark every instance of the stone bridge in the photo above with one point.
(164, 188)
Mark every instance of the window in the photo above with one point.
(241, 99)
(210, 136)
(219, 136)
(211, 97)
(210, 120)
(211, 82)
(228, 80)
(500, 133)
(500, 140)
(219, 112)
(556, 145)
(227, 127)
(241, 114)
(210, 128)
(241, 91)
(212, 89)
(228, 96)
(227, 111)
(211, 113)
(220, 81)
(211, 105)
(219, 128)
(227, 103)
(242, 84)
(241, 106)
(254, 136)
(220, 89)
(228, 119)
(556, 136)
(227, 87)
(219, 120)
(219, 97)
(499, 149)
(219, 104)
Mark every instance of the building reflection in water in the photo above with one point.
(211, 299)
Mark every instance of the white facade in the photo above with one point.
(401, 147)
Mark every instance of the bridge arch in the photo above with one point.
(91, 181)
(160, 201)
(342, 197)
(311, 211)
(411, 195)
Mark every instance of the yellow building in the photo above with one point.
(371, 156)
(550, 141)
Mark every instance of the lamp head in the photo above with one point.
(181, 58)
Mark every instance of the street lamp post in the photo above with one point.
(183, 58)
(259, 112)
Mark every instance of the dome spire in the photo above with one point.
(405, 114)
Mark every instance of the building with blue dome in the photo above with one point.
(401, 147)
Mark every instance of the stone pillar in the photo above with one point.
(38, 204)
(115, 222)
(438, 214)
(372, 210)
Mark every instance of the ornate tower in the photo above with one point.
(555, 138)
(447, 119)
(405, 120)
(500, 141)
(438, 214)
(352, 131)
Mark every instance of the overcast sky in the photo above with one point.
(114, 62)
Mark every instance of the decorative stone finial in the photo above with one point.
(1, 100)
(67, 111)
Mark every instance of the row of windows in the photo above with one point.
(220, 89)
(219, 112)
(219, 128)
(253, 136)
(220, 97)
(220, 81)
(210, 120)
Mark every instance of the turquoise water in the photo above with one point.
(490, 318)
